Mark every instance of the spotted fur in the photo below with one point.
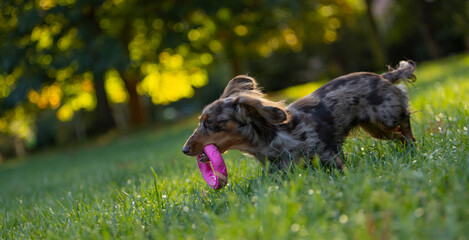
(315, 124)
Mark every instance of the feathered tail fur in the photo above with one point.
(404, 72)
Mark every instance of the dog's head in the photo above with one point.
(238, 119)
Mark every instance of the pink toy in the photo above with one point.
(218, 177)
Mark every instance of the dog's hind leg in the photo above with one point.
(379, 131)
(402, 132)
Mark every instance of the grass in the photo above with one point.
(142, 186)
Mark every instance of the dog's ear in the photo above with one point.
(249, 108)
(240, 84)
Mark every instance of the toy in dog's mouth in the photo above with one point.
(212, 166)
(203, 158)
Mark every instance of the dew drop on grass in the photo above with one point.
(419, 212)
(295, 227)
(303, 232)
(276, 210)
(360, 217)
(343, 219)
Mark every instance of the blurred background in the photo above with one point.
(71, 70)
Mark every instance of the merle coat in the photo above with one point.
(315, 124)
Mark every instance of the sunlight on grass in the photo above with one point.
(441, 85)
(296, 92)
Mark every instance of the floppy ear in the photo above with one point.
(240, 84)
(250, 108)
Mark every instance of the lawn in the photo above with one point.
(142, 186)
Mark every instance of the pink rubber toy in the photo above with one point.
(218, 177)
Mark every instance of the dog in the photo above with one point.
(316, 124)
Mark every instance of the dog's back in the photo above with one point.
(363, 99)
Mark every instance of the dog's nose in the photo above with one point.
(186, 150)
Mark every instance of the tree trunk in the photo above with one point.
(377, 46)
(104, 119)
(80, 128)
(235, 66)
(19, 147)
(433, 48)
(137, 111)
(466, 42)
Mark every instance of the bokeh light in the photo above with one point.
(115, 88)
(172, 80)
(55, 50)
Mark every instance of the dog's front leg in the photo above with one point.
(281, 164)
(332, 158)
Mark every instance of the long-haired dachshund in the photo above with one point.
(318, 123)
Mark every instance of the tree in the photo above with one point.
(377, 47)
(48, 39)
(79, 59)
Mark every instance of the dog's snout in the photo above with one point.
(186, 150)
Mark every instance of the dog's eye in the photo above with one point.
(208, 122)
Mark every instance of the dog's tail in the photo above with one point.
(404, 72)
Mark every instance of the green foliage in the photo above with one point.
(142, 186)
(71, 56)
(90, 62)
